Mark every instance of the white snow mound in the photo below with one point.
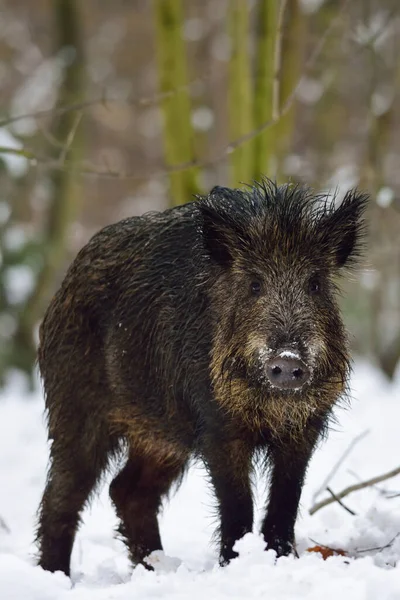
(188, 568)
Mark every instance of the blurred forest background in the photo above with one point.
(111, 109)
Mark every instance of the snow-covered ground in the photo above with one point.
(189, 570)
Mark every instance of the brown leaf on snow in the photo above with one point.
(327, 552)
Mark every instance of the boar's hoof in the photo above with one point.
(226, 556)
(281, 547)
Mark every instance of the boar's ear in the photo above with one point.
(345, 227)
(217, 237)
(221, 232)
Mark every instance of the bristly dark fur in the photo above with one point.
(296, 213)
(156, 340)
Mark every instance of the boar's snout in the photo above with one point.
(287, 371)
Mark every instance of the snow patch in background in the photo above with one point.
(188, 568)
(16, 165)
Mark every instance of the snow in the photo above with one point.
(17, 165)
(19, 283)
(385, 197)
(289, 354)
(189, 569)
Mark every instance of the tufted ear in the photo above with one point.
(222, 234)
(217, 236)
(344, 228)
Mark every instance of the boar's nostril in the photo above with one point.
(287, 372)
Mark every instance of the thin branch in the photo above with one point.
(56, 111)
(141, 102)
(22, 152)
(338, 551)
(387, 494)
(342, 552)
(320, 544)
(380, 548)
(49, 137)
(70, 139)
(354, 488)
(388, 20)
(338, 464)
(340, 502)
(278, 61)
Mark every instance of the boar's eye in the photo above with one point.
(255, 287)
(314, 286)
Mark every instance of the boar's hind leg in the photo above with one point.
(229, 465)
(289, 465)
(137, 492)
(75, 469)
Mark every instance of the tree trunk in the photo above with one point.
(240, 94)
(178, 130)
(264, 143)
(65, 190)
(293, 44)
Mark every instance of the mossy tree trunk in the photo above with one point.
(264, 143)
(293, 45)
(65, 194)
(240, 90)
(172, 70)
(382, 220)
(329, 112)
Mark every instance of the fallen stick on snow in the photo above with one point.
(336, 466)
(380, 548)
(328, 551)
(353, 488)
(338, 500)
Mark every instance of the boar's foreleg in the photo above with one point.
(229, 465)
(289, 462)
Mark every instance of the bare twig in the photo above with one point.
(141, 102)
(380, 548)
(70, 139)
(278, 61)
(381, 490)
(319, 544)
(49, 137)
(336, 466)
(53, 112)
(325, 546)
(354, 488)
(22, 152)
(388, 20)
(342, 552)
(340, 502)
